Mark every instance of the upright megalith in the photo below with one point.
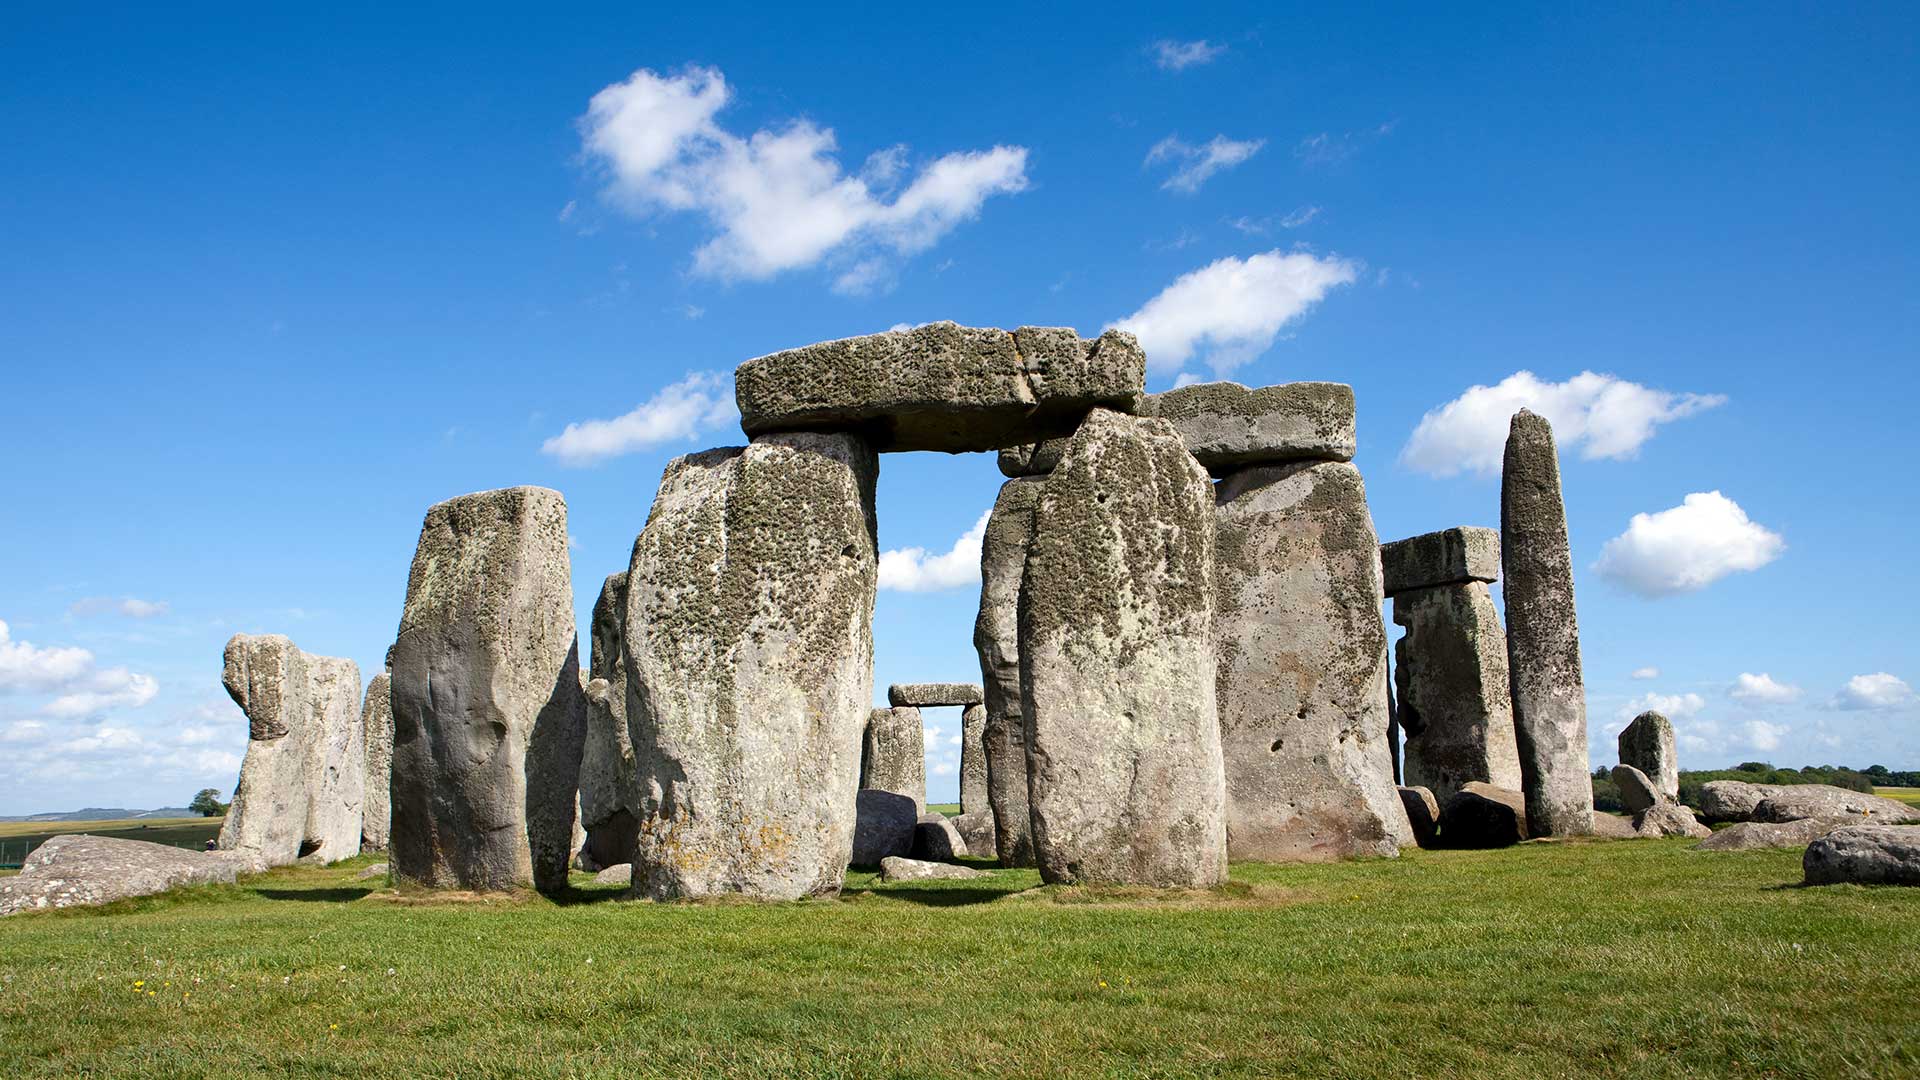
(893, 754)
(302, 783)
(1543, 638)
(1116, 657)
(489, 716)
(1303, 667)
(973, 761)
(749, 656)
(376, 729)
(606, 761)
(1451, 673)
(1647, 744)
(996, 637)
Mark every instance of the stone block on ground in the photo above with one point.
(1613, 827)
(937, 839)
(1666, 818)
(619, 874)
(1757, 835)
(1448, 557)
(1455, 708)
(1483, 816)
(894, 868)
(77, 870)
(1791, 802)
(996, 637)
(1637, 793)
(1647, 744)
(1733, 800)
(883, 826)
(1865, 855)
(1227, 426)
(1423, 814)
(934, 694)
(976, 828)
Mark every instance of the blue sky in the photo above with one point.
(271, 285)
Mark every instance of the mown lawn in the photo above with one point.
(1633, 959)
(1904, 794)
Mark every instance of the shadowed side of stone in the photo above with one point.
(1483, 816)
(607, 794)
(996, 637)
(376, 727)
(1452, 679)
(1865, 855)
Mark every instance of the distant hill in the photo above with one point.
(95, 813)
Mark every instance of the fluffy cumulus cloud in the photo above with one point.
(1600, 415)
(1761, 689)
(915, 569)
(201, 748)
(778, 199)
(1230, 311)
(1687, 547)
(701, 402)
(30, 668)
(78, 686)
(1698, 736)
(1171, 55)
(1879, 690)
(1193, 165)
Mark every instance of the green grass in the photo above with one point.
(1910, 795)
(1641, 959)
(19, 837)
(948, 808)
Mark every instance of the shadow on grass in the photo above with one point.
(332, 896)
(948, 896)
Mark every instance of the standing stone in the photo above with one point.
(302, 783)
(894, 754)
(1647, 744)
(1303, 667)
(749, 656)
(606, 762)
(1543, 638)
(996, 637)
(376, 728)
(1116, 657)
(488, 713)
(1452, 677)
(973, 760)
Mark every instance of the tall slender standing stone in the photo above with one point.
(1543, 638)
(973, 761)
(376, 727)
(996, 636)
(893, 754)
(302, 784)
(1116, 657)
(1647, 744)
(488, 712)
(749, 649)
(606, 763)
(1303, 667)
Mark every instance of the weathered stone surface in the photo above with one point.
(1454, 708)
(618, 874)
(1483, 816)
(1032, 459)
(1116, 654)
(894, 868)
(1795, 801)
(937, 839)
(1613, 826)
(1423, 814)
(933, 695)
(376, 731)
(377, 870)
(1637, 793)
(976, 828)
(1665, 818)
(749, 656)
(1227, 426)
(1647, 744)
(942, 386)
(996, 637)
(1755, 835)
(1448, 557)
(607, 793)
(74, 871)
(973, 760)
(1302, 673)
(1733, 800)
(1865, 855)
(883, 826)
(302, 784)
(893, 754)
(1543, 637)
(488, 714)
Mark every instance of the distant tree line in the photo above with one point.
(1606, 796)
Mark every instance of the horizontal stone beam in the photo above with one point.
(1447, 557)
(1227, 426)
(933, 695)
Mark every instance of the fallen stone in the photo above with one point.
(1032, 459)
(942, 386)
(1666, 818)
(1756, 835)
(1455, 708)
(607, 795)
(376, 732)
(1647, 744)
(973, 761)
(1733, 800)
(894, 868)
(996, 637)
(1423, 814)
(619, 874)
(1227, 426)
(1795, 801)
(1865, 855)
(883, 826)
(1448, 557)
(488, 714)
(894, 754)
(976, 828)
(378, 869)
(1613, 826)
(76, 871)
(937, 839)
(1637, 793)
(1483, 816)
(934, 694)
(1116, 646)
(1543, 636)
(749, 656)
(1302, 669)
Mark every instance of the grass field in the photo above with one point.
(19, 837)
(1904, 794)
(1641, 959)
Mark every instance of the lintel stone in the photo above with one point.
(933, 695)
(1227, 426)
(1448, 557)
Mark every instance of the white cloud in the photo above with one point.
(1672, 706)
(1231, 310)
(1194, 164)
(1762, 735)
(26, 667)
(1645, 673)
(1605, 416)
(778, 199)
(131, 606)
(1761, 689)
(110, 689)
(1326, 148)
(700, 402)
(1173, 55)
(1877, 691)
(914, 570)
(1687, 547)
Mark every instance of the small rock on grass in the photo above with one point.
(894, 868)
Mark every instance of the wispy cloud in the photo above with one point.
(698, 403)
(1231, 310)
(131, 606)
(1171, 55)
(1193, 165)
(1331, 148)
